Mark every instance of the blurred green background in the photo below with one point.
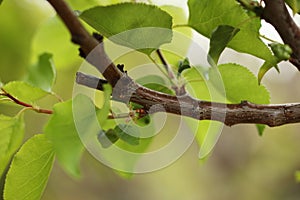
(242, 165)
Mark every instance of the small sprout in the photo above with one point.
(281, 51)
(183, 65)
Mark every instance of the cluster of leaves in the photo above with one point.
(31, 165)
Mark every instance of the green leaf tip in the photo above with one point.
(219, 39)
(30, 169)
(183, 65)
(138, 26)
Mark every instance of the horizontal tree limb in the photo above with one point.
(229, 114)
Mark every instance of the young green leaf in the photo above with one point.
(127, 133)
(260, 128)
(143, 27)
(11, 137)
(265, 68)
(42, 74)
(207, 15)
(183, 65)
(61, 130)
(281, 51)
(30, 170)
(241, 84)
(219, 39)
(24, 91)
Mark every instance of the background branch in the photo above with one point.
(276, 13)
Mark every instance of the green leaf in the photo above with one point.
(297, 174)
(24, 91)
(260, 128)
(220, 38)
(241, 84)
(143, 27)
(30, 170)
(294, 5)
(183, 65)
(265, 68)
(11, 137)
(42, 74)
(61, 130)
(207, 15)
(127, 133)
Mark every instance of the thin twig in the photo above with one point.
(21, 103)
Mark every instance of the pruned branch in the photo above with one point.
(276, 13)
(125, 89)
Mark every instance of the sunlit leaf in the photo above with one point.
(24, 91)
(42, 74)
(11, 137)
(152, 26)
(61, 130)
(207, 15)
(241, 84)
(220, 38)
(30, 170)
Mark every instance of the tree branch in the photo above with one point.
(229, 114)
(125, 89)
(276, 13)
